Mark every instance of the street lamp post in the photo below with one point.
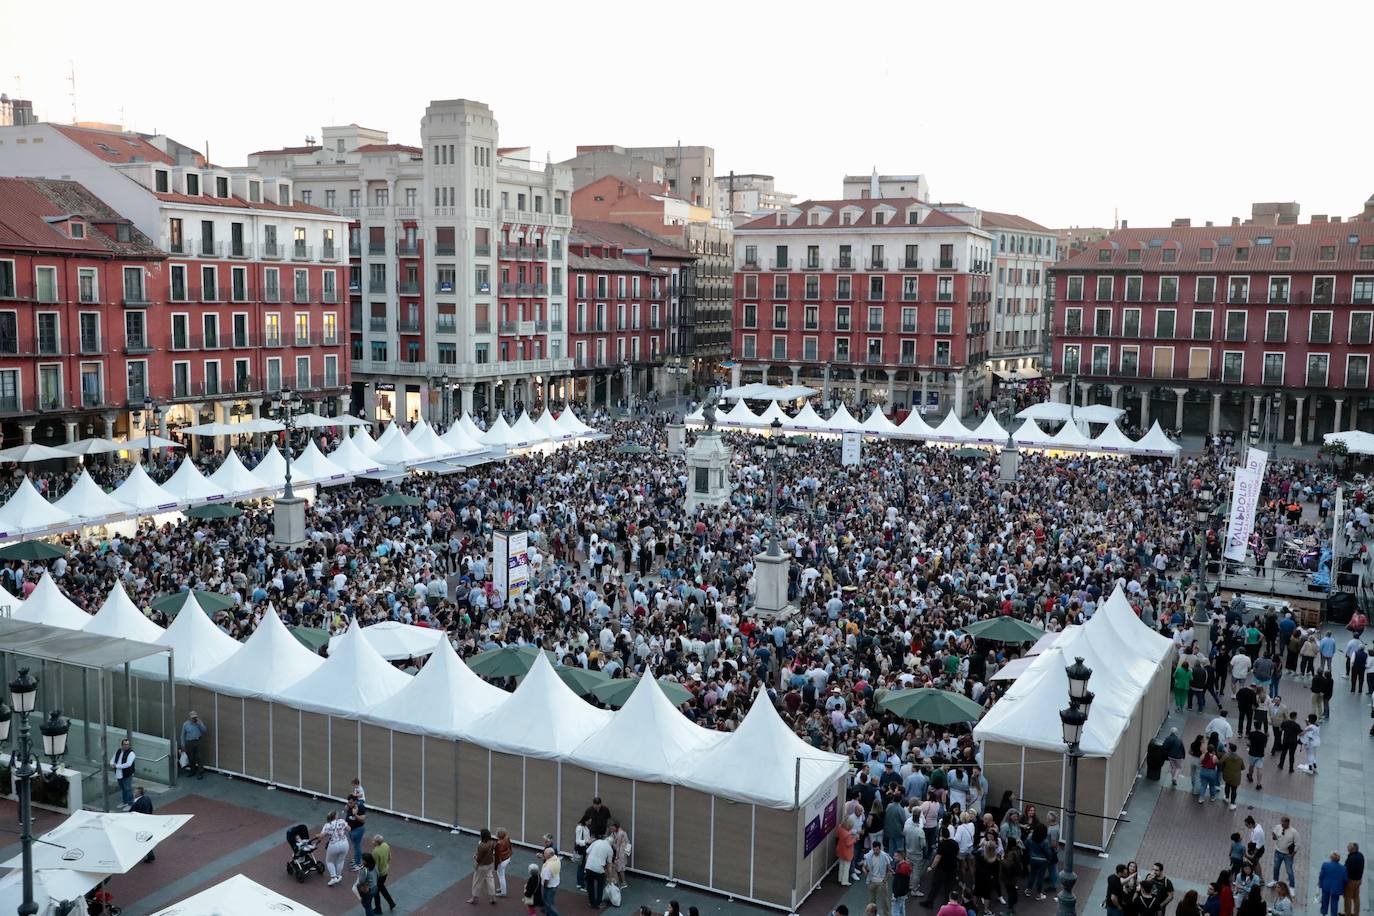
(1073, 719)
(288, 513)
(771, 566)
(1009, 462)
(151, 412)
(24, 766)
(1202, 615)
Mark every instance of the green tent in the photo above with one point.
(507, 661)
(934, 707)
(1005, 629)
(310, 637)
(582, 680)
(214, 510)
(210, 602)
(394, 500)
(618, 690)
(32, 550)
(968, 453)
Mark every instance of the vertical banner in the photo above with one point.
(510, 566)
(851, 448)
(1256, 459)
(1244, 499)
(822, 816)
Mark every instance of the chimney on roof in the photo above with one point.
(1335, 219)
(1318, 218)
(874, 190)
(1209, 224)
(1182, 222)
(1235, 221)
(1123, 224)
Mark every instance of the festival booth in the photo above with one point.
(950, 430)
(807, 421)
(314, 467)
(236, 480)
(1157, 444)
(549, 427)
(28, 513)
(842, 421)
(989, 432)
(914, 426)
(47, 605)
(89, 503)
(190, 488)
(1030, 435)
(878, 424)
(740, 417)
(353, 460)
(1021, 736)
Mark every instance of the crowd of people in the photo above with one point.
(891, 559)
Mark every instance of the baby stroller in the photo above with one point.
(303, 860)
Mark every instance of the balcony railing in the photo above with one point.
(911, 263)
(407, 249)
(446, 327)
(875, 358)
(812, 264)
(876, 264)
(272, 251)
(408, 288)
(376, 247)
(376, 286)
(777, 264)
(844, 263)
(301, 251)
(407, 326)
(135, 297)
(946, 264)
(445, 287)
(377, 323)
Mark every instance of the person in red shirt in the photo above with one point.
(954, 907)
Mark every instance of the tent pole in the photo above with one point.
(169, 720)
(104, 748)
(796, 786)
(129, 700)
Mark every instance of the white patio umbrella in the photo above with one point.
(51, 888)
(33, 451)
(149, 441)
(108, 843)
(92, 446)
(237, 896)
(211, 429)
(315, 421)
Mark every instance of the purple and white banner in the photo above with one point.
(1244, 500)
(1256, 459)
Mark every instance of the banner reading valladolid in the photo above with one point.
(510, 570)
(1256, 459)
(1244, 500)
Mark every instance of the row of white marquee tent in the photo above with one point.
(950, 430)
(647, 738)
(27, 513)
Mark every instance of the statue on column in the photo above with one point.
(708, 411)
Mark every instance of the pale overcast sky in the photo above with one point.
(1061, 112)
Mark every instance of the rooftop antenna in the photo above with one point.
(71, 78)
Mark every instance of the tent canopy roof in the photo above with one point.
(542, 718)
(444, 699)
(761, 392)
(647, 739)
(72, 647)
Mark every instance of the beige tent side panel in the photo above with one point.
(229, 734)
(579, 785)
(541, 801)
(286, 745)
(777, 855)
(617, 793)
(405, 772)
(507, 804)
(472, 765)
(315, 752)
(650, 831)
(203, 702)
(1093, 831)
(259, 745)
(1043, 775)
(692, 836)
(732, 846)
(441, 783)
(1120, 784)
(374, 743)
(1003, 768)
(344, 766)
(811, 870)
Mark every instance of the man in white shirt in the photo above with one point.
(549, 877)
(1240, 670)
(598, 859)
(1220, 727)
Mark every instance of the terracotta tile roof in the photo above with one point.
(389, 148)
(239, 203)
(31, 207)
(115, 146)
(1306, 241)
(288, 151)
(505, 150)
(624, 235)
(864, 219)
(622, 265)
(994, 220)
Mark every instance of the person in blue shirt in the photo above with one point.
(1331, 880)
(1326, 648)
(192, 730)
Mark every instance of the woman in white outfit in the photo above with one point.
(334, 833)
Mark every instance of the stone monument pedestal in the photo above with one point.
(1009, 463)
(770, 586)
(708, 472)
(677, 438)
(288, 518)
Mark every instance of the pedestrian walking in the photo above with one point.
(877, 875)
(1285, 843)
(1354, 875)
(533, 898)
(1331, 882)
(1232, 769)
(334, 833)
(1310, 740)
(381, 855)
(484, 868)
(504, 851)
(549, 877)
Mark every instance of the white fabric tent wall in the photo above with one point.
(739, 415)
(189, 487)
(549, 426)
(807, 420)
(394, 640)
(88, 501)
(878, 424)
(271, 470)
(143, 495)
(647, 738)
(1030, 433)
(951, 430)
(527, 432)
(312, 466)
(26, 510)
(352, 679)
(915, 426)
(353, 460)
(236, 480)
(198, 646)
(989, 432)
(500, 435)
(1112, 439)
(270, 661)
(363, 441)
(569, 422)
(542, 718)
(773, 412)
(1155, 442)
(842, 421)
(444, 699)
(47, 605)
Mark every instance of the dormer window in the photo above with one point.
(1104, 255)
(284, 195)
(221, 186)
(78, 229)
(192, 184)
(122, 233)
(879, 217)
(160, 181)
(913, 217)
(1242, 253)
(255, 192)
(1326, 253)
(1170, 255)
(1133, 256)
(1206, 255)
(847, 218)
(1283, 253)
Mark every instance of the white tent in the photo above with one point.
(1357, 441)
(1153, 442)
(807, 420)
(189, 486)
(396, 450)
(47, 605)
(757, 391)
(500, 435)
(393, 429)
(351, 459)
(842, 421)
(647, 738)
(989, 432)
(352, 679)
(311, 466)
(951, 430)
(542, 718)
(763, 761)
(568, 422)
(695, 417)
(878, 424)
(142, 494)
(526, 431)
(271, 470)
(470, 427)
(364, 441)
(1059, 413)
(8, 603)
(427, 442)
(270, 661)
(773, 412)
(1030, 433)
(739, 415)
(28, 511)
(197, 644)
(461, 442)
(1112, 439)
(1070, 436)
(236, 896)
(395, 640)
(87, 500)
(236, 480)
(119, 616)
(915, 426)
(444, 699)
(549, 427)
(51, 888)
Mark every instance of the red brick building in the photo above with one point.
(882, 299)
(76, 279)
(1209, 328)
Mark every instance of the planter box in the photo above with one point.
(61, 794)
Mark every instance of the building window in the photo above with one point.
(1104, 289)
(1168, 289)
(1319, 327)
(1205, 290)
(1239, 291)
(1164, 323)
(1206, 255)
(1276, 327)
(1360, 327)
(1323, 290)
(1074, 291)
(1357, 370)
(1133, 288)
(1317, 366)
(1202, 325)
